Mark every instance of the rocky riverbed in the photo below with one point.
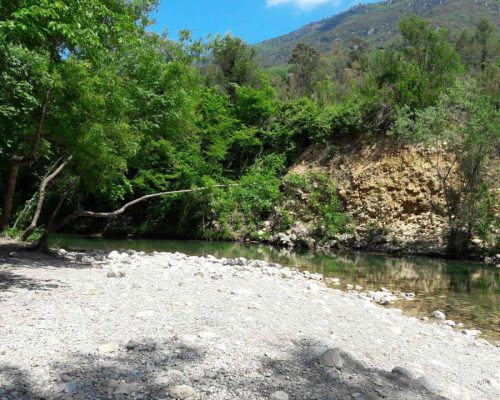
(127, 325)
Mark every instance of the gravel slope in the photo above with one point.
(199, 328)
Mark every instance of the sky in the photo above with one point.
(252, 20)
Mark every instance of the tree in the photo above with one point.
(465, 126)
(431, 62)
(231, 61)
(481, 48)
(304, 65)
(58, 30)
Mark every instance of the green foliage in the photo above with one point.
(297, 124)
(254, 106)
(240, 210)
(12, 233)
(316, 200)
(465, 124)
(231, 62)
(480, 48)
(23, 74)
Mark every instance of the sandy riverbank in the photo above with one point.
(120, 326)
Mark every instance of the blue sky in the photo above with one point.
(253, 20)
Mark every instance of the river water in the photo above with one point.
(467, 292)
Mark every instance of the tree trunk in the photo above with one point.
(10, 189)
(17, 161)
(42, 243)
(41, 197)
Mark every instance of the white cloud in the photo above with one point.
(301, 4)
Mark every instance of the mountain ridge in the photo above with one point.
(377, 24)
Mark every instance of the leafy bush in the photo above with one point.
(317, 202)
(241, 209)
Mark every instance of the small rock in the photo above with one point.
(68, 387)
(471, 333)
(109, 348)
(115, 272)
(429, 384)
(358, 288)
(404, 372)
(279, 395)
(113, 255)
(439, 315)
(181, 392)
(332, 358)
(449, 322)
(349, 286)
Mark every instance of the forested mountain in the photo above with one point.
(377, 24)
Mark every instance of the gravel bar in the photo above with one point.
(129, 325)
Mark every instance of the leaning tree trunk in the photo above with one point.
(17, 161)
(41, 197)
(42, 244)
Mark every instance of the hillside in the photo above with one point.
(377, 24)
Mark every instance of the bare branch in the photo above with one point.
(111, 214)
(41, 198)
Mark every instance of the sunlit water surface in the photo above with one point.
(467, 292)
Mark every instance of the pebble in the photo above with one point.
(68, 387)
(279, 395)
(181, 392)
(109, 348)
(115, 272)
(471, 333)
(332, 358)
(407, 373)
(439, 315)
(429, 384)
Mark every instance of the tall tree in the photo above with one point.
(59, 30)
(231, 61)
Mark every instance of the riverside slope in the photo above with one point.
(130, 325)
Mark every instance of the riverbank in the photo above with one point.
(131, 325)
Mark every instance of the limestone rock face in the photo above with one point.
(391, 190)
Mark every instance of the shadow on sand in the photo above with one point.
(148, 370)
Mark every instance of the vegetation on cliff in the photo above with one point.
(111, 112)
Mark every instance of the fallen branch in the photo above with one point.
(42, 244)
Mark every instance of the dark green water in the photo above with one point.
(467, 292)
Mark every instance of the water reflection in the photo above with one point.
(467, 292)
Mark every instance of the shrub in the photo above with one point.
(316, 197)
(241, 209)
